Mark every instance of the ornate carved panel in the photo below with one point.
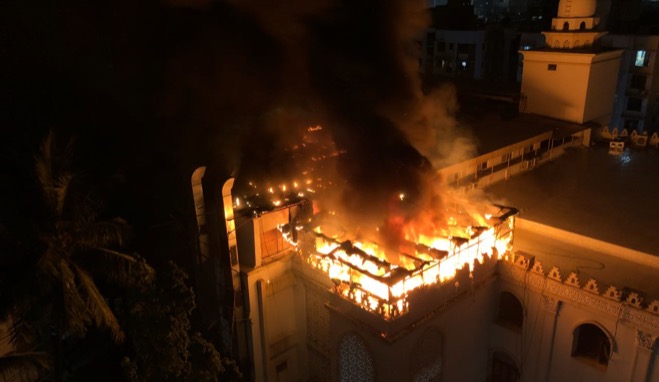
(355, 364)
(318, 321)
(608, 302)
(551, 304)
(645, 340)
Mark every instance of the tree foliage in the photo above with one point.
(162, 345)
(50, 255)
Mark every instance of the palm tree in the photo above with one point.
(48, 293)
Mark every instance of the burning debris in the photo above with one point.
(378, 280)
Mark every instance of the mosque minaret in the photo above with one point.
(575, 26)
(572, 78)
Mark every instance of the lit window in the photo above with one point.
(591, 343)
(641, 58)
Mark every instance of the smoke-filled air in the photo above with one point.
(325, 98)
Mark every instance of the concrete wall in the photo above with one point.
(602, 83)
(580, 89)
(559, 93)
(277, 320)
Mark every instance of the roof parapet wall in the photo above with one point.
(628, 305)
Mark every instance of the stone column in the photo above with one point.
(643, 356)
(552, 307)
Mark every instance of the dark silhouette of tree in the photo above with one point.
(50, 255)
(161, 343)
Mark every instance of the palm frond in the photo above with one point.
(100, 311)
(48, 264)
(61, 191)
(43, 167)
(103, 234)
(19, 332)
(76, 315)
(117, 255)
(19, 366)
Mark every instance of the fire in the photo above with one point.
(376, 276)
(380, 283)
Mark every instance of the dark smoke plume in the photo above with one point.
(349, 66)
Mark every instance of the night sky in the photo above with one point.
(151, 90)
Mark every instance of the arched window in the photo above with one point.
(566, 44)
(355, 364)
(511, 312)
(591, 343)
(503, 368)
(557, 44)
(586, 43)
(576, 43)
(566, 26)
(426, 361)
(582, 26)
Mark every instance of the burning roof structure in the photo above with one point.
(379, 280)
(375, 268)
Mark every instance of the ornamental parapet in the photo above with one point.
(567, 286)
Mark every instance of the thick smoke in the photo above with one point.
(350, 66)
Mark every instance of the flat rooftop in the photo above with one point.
(496, 134)
(587, 263)
(494, 122)
(586, 191)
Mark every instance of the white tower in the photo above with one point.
(571, 78)
(575, 25)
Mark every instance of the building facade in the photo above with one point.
(637, 94)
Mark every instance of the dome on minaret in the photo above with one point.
(576, 8)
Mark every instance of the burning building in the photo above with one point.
(300, 272)
(306, 299)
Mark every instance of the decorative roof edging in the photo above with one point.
(627, 311)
